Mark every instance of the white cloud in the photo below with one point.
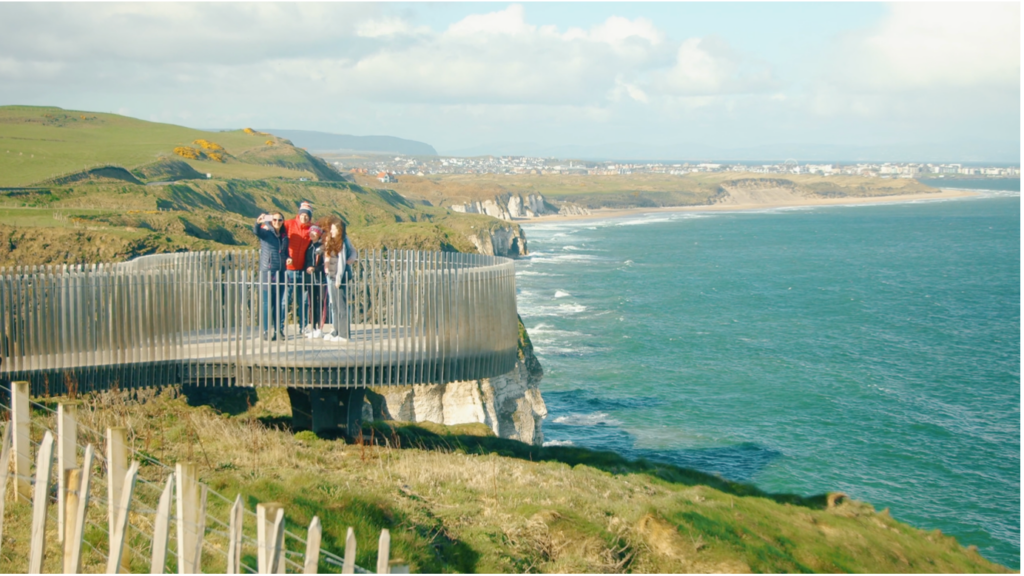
(387, 28)
(510, 21)
(616, 30)
(956, 64)
(925, 45)
(709, 66)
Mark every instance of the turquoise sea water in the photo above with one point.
(873, 350)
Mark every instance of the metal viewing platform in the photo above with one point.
(195, 318)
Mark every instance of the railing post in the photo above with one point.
(188, 508)
(269, 534)
(44, 467)
(73, 544)
(200, 530)
(235, 537)
(118, 538)
(22, 447)
(349, 565)
(384, 552)
(5, 466)
(67, 442)
(312, 558)
(162, 528)
(117, 469)
(71, 484)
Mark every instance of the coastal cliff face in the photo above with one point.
(505, 240)
(513, 206)
(510, 404)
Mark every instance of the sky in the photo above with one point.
(676, 81)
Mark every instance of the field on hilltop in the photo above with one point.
(636, 190)
(82, 187)
(113, 221)
(40, 144)
(460, 500)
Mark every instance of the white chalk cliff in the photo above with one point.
(506, 240)
(510, 404)
(511, 206)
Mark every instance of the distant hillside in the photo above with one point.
(40, 144)
(326, 142)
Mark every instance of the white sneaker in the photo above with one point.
(314, 334)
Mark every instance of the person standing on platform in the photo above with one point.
(273, 256)
(298, 241)
(316, 282)
(339, 255)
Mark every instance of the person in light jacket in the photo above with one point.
(273, 259)
(338, 258)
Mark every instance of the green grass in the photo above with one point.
(92, 220)
(457, 499)
(42, 143)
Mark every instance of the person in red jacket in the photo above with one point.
(295, 294)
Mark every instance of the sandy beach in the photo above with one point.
(602, 213)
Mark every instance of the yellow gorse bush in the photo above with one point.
(207, 145)
(248, 131)
(269, 142)
(215, 156)
(189, 152)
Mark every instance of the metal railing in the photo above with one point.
(207, 317)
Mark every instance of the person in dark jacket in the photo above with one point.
(273, 259)
(316, 283)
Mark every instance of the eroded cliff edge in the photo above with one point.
(510, 404)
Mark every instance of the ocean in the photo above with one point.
(867, 349)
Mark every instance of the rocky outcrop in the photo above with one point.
(488, 207)
(507, 240)
(510, 404)
(568, 209)
(511, 206)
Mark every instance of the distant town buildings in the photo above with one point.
(387, 170)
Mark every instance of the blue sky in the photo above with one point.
(824, 81)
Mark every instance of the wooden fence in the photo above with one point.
(72, 495)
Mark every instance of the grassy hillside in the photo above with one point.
(107, 220)
(44, 144)
(634, 190)
(460, 500)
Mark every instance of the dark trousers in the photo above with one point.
(271, 297)
(295, 295)
(316, 299)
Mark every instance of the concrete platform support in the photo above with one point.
(327, 411)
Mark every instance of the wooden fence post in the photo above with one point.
(269, 522)
(235, 537)
(67, 442)
(117, 468)
(384, 552)
(22, 448)
(162, 528)
(200, 530)
(44, 467)
(313, 536)
(73, 562)
(71, 483)
(5, 466)
(118, 537)
(188, 507)
(349, 565)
